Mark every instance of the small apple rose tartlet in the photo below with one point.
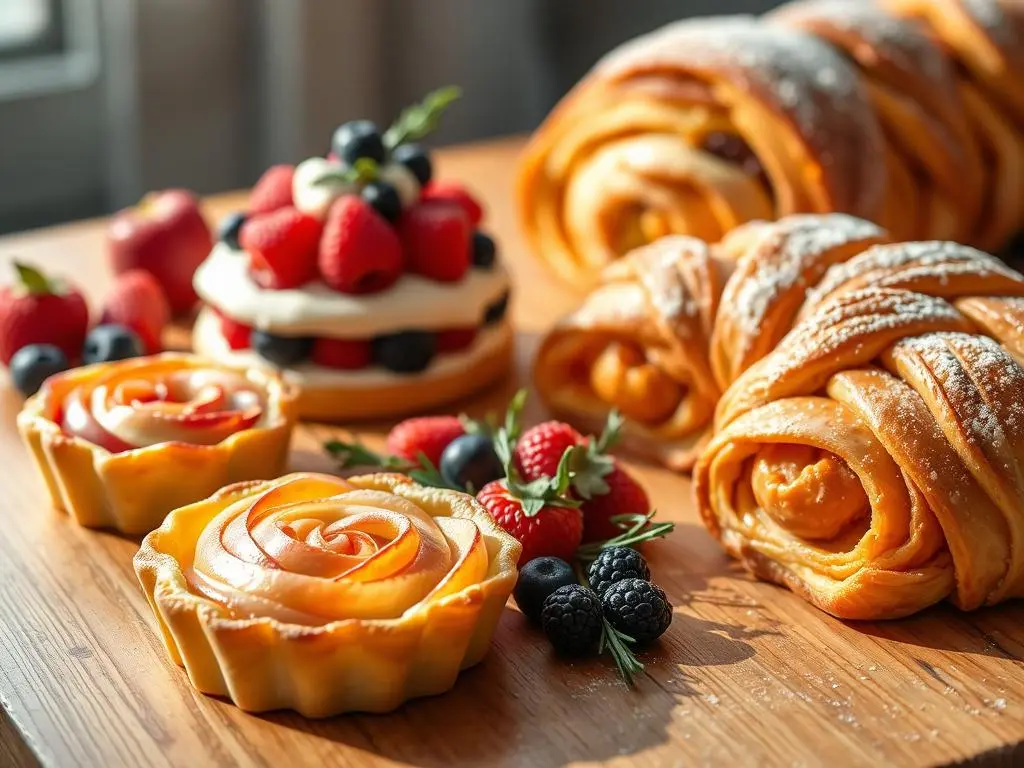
(122, 444)
(325, 595)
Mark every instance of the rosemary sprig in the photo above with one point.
(613, 641)
(363, 170)
(636, 530)
(419, 120)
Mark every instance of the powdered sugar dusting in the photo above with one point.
(657, 267)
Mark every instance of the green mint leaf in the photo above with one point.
(611, 433)
(514, 414)
(364, 170)
(32, 280)
(420, 120)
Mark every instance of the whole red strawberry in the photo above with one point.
(550, 530)
(359, 250)
(625, 496)
(282, 248)
(138, 302)
(541, 448)
(428, 435)
(273, 191)
(343, 354)
(436, 238)
(41, 310)
(453, 192)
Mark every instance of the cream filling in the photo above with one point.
(208, 341)
(315, 310)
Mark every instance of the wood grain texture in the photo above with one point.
(748, 674)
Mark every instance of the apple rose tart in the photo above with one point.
(325, 595)
(121, 444)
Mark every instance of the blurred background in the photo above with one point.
(101, 100)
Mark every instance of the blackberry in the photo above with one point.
(537, 580)
(637, 608)
(615, 564)
(571, 618)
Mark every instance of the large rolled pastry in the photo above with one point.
(905, 112)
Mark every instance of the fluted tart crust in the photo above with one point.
(326, 595)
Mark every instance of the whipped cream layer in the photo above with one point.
(316, 310)
(208, 341)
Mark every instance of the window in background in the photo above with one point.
(29, 27)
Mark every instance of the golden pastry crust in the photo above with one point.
(325, 595)
(131, 487)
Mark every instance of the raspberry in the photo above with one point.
(615, 564)
(359, 251)
(540, 448)
(281, 247)
(436, 238)
(455, 339)
(236, 334)
(554, 530)
(453, 192)
(138, 302)
(637, 608)
(571, 619)
(343, 354)
(428, 435)
(273, 191)
(624, 497)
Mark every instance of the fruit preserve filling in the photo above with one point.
(402, 351)
(131, 408)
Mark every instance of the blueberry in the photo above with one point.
(415, 158)
(384, 198)
(229, 228)
(484, 250)
(358, 139)
(538, 579)
(281, 350)
(470, 462)
(32, 365)
(497, 310)
(106, 343)
(405, 351)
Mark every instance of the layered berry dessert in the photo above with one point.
(367, 282)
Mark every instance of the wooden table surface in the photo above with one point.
(748, 674)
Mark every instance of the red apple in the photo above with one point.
(165, 235)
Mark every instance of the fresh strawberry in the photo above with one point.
(453, 192)
(344, 354)
(235, 333)
(138, 302)
(41, 310)
(428, 435)
(455, 339)
(359, 251)
(436, 238)
(550, 530)
(625, 496)
(541, 448)
(273, 191)
(282, 248)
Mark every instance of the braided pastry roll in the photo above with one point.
(873, 460)
(903, 112)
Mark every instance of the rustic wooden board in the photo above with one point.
(748, 673)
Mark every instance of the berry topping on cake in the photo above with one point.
(282, 248)
(358, 139)
(416, 159)
(235, 333)
(281, 350)
(453, 192)
(138, 302)
(496, 312)
(405, 351)
(454, 339)
(342, 354)
(404, 182)
(384, 199)
(436, 241)
(484, 250)
(359, 251)
(229, 229)
(273, 191)
(318, 183)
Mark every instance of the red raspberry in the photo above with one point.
(138, 302)
(428, 435)
(540, 448)
(282, 248)
(625, 497)
(41, 310)
(236, 334)
(555, 531)
(455, 339)
(344, 354)
(273, 191)
(453, 192)
(359, 252)
(436, 238)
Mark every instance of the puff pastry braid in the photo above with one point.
(904, 112)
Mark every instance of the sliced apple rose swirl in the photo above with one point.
(326, 595)
(122, 444)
